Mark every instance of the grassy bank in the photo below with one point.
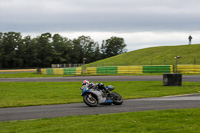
(41, 93)
(165, 121)
(162, 55)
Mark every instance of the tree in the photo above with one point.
(97, 54)
(30, 54)
(88, 48)
(10, 46)
(76, 51)
(1, 49)
(113, 46)
(61, 49)
(45, 50)
(20, 50)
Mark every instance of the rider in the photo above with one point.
(85, 82)
(90, 85)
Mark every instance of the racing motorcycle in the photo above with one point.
(95, 94)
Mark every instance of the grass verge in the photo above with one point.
(34, 75)
(26, 75)
(165, 121)
(43, 93)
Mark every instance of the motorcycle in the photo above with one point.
(94, 95)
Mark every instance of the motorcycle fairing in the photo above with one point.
(85, 90)
(99, 94)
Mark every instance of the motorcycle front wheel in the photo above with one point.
(90, 100)
(117, 99)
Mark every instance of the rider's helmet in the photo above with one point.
(85, 82)
(101, 86)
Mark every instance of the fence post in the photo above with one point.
(38, 70)
(195, 61)
(84, 69)
(174, 68)
(164, 62)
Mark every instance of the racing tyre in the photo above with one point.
(117, 99)
(90, 100)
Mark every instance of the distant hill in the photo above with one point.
(190, 54)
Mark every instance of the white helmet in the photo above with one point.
(85, 82)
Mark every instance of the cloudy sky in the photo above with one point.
(142, 23)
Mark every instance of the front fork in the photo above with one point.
(90, 95)
(108, 93)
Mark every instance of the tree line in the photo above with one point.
(46, 49)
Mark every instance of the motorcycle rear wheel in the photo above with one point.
(90, 100)
(117, 99)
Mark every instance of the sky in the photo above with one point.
(142, 23)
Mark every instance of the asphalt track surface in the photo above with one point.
(185, 78)
(133, 105)
(51, 111)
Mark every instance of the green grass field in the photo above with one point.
(34, 75)
(15, 94)
(41, 93)
(164, 121)
(26, 75)
(155, 55)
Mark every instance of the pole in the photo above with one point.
(176, 63)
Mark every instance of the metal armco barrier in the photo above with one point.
(91, 70)
(19, 70)
(107, 70)
(62, 71)
(158, 69)
(110, 70)
(188, 68)
(123, 69)
(58, 71)
(129, 69)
